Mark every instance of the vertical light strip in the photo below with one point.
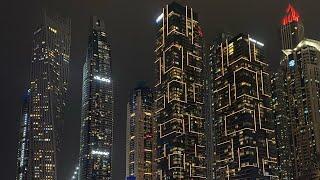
(235, 85)
(163, 27)
(192, 24)
(259, 116)
(258, 156)
(262, 79)
(232, 153)
(225, 126)
(249, 43)
(222, 64)
(184, 161)
(255, 121)
(182, 61)
(228, 172)
(227, 47)
(194, 92)
(239, 158)
(230, 95)
(267, 148)
(254, 52)
(187, 21)
(167, 7)
(258, 94)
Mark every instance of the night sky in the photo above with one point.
(131, 27)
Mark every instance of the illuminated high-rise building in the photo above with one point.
(303, 88)
(210, 81)
(179, 95)
(140, 134)
(292, 30)
(292, 33)
(24, 140)
(282, 121)
(244, 145)
(96, 137)
(48, 87)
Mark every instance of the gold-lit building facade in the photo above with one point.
(244, 145)
(179, 95)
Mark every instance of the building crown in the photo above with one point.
(292, 15)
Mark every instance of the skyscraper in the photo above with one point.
(24, 140)
(292, 30)
(292, 33)
(140, 134)
(244, 145)
(48, 87)
(280, 107)
(179, 94)
(303, 78)
(210, 81)
(97, 107)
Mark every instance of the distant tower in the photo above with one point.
(179, 95)
(97, 107)
(292, 30)
(292, 33)
(48, 88)
(140, 134)
(244, 145)
(24, 140)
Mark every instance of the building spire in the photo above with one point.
(292, 15)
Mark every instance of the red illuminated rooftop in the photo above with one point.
(292, 15)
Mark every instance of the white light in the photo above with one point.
(309, 42)
(257, 42)
(22, 156)
(292, 63)
(102, 79)
(101, 153)
(159, 18)
(53, 30)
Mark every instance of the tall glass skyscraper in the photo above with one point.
(97, 107)
(282, 121)
(179, 95)
(303, 87)
(292, 32)
(210, 82)
(140, 134)
(47, 96)
(295, 90)
(244, 145)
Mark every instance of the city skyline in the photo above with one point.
(149, 80)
